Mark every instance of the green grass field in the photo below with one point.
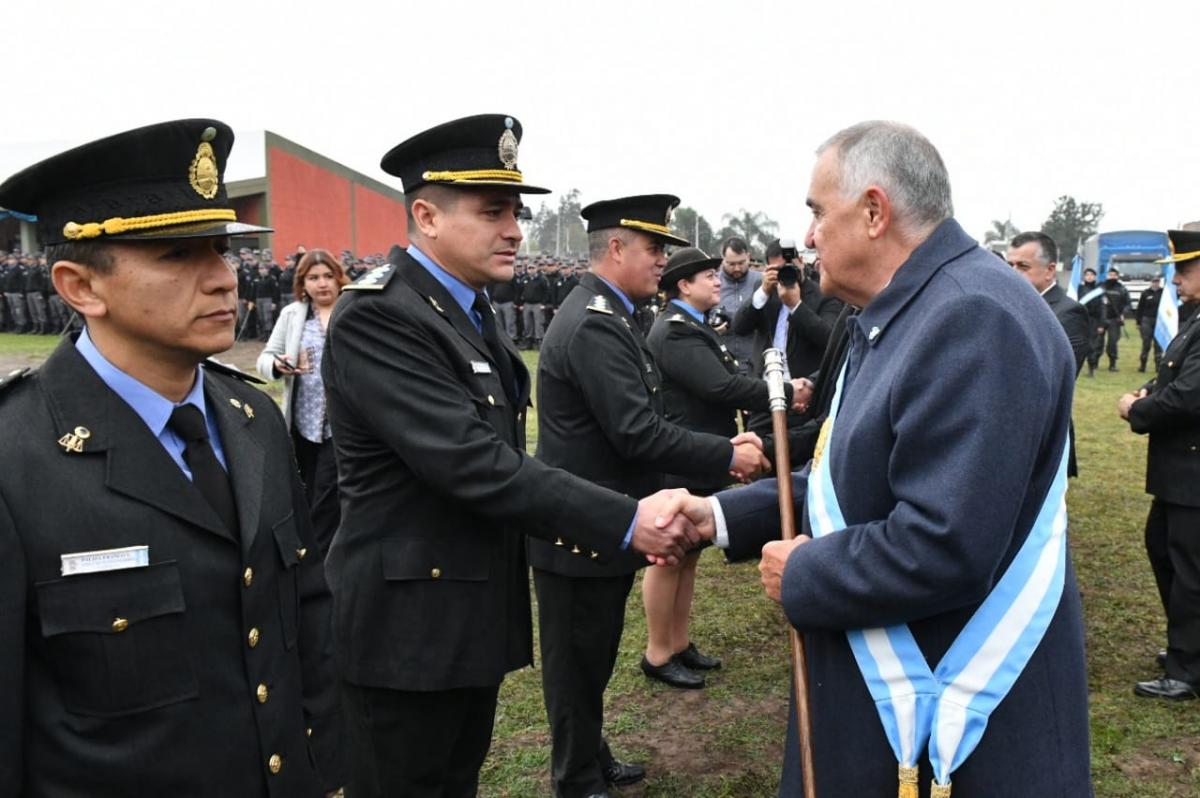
(726, 740)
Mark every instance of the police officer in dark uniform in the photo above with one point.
(702, 391)
(14, 294)
(1118, 302)
(1147, 320)
(535, 298)
(427, 398)
(600, 415)
(1095, 300)
(1168, 409)
(165, 630)
(37, 282)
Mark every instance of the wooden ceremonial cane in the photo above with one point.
(773, 371)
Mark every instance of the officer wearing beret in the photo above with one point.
(166, 631)
(1168, 409)
(427, 398)
(600, 415)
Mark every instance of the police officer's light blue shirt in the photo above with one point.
(153, 408)
(462, 293)
(688, 309)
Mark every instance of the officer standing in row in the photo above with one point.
(600, 416)
(1168, 409)
(1094, 299)
(1147, 321)
(1118, 302)
(165, 627)
(702, 391)
(427, 399)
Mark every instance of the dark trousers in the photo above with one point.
(1173, 545)
(417, 744)
(580, 622)
(1095, 344)
(1115, 328)
(318, 472)
(1146, 327)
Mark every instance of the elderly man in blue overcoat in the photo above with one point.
(931, 579)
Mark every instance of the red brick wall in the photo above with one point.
(309, 205)
(379, 221)
(313, 206)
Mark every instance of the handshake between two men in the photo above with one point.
(672, 522)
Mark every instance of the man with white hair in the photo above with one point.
(931, 579)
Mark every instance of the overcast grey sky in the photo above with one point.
(720, 103)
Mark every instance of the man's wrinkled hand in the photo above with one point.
(661, 531)
(679, 505)
(1126, 402)
(774, 561)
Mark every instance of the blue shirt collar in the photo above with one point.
(154, 408)
(462, 293)
(620, 294)
(691, 311)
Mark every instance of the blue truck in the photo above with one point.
(1132, 252)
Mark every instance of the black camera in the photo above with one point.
(789, 272)
(717, 317)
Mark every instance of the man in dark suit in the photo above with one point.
(600, 415)
(165, 625)
(1035, 257)
(906, 577)
(427, 399)
(1168, 409)
(804, 332)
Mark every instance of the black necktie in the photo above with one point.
(207, 474)
(492, 339)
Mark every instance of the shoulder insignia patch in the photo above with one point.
(677, 318)
(600, 304)
(13, 377)
(230, 371)
(374, 280)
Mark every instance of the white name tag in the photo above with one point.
(90, 562)
(481, 367)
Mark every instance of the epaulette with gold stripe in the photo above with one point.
(677, 318)
(374, 280)
(600, 304)
(230, 371)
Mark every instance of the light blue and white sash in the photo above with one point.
(947, 709)
(1090, 295)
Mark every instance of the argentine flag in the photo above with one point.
(1076, 277)
(1167, 324)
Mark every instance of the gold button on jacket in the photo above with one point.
(275, 763)
(252, 638)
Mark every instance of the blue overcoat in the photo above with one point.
(954, 414)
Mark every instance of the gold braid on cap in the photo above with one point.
(1180, 258)
(117, 225)
(473, 175)
(649, 227)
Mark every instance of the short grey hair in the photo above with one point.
(902, 162)
(598, 241)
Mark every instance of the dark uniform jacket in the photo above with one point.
(702, 390)
(183, 678)
(1097, 308)
(808, 328)
(1118, 299)
(1074, 320)
(1171, 416)
(536, 290)
(601, 416)
(430, 585)
(938, 494)
(1147, 308)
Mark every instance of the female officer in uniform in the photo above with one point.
(702, 392)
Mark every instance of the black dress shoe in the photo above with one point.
(673, 673)
(599, 795)
(692, 658)
(622, 774)
(1160, 659)
(1170, 689)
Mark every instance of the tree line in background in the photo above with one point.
(1070, 223)
(559, 230)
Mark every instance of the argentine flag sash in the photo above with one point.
(1090, 295)
(946, 710)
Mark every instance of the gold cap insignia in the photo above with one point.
(670, 213)
(508, 145)
(203, 174)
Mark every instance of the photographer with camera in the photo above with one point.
(788, 312)
(738, 282)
